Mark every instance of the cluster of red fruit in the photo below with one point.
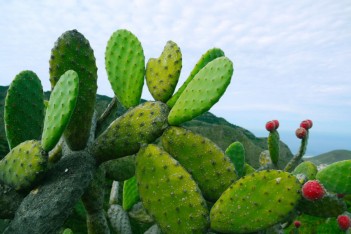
(301, 132)
(312, 190)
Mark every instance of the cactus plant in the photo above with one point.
(162, 74)
(72, 51)
(236, 153)
(178, 177)
(247, 199)
(24, 109)
(336, 177)
(203, 91)
(125, 66)
(202, 158)
(169, 193)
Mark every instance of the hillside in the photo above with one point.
(330, 157)
(217, 129)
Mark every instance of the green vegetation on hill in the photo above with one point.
(330, 157)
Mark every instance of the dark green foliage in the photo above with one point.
(24, 109)
(72, 51)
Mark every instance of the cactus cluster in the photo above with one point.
(166, 178)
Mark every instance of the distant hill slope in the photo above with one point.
(217, 129)
(330, 157)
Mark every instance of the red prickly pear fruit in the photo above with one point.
(312, 190)
(344, 222)
(306, 124)
(270, 126)
(276, 122)
(301, 133)
(297, 223)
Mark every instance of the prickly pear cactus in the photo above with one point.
(60, 108)
(130, 193)
(273, 146)
(236, 153)
(204, 90)
(255, 202)
(24, 109)
(328, 206)
(307, 168)
(24, 165)
(125, 66)
(203, 61)
(72, 51)
(142, 124)
(162, 73)
(169, 193)
(119, 219)
(336, 177)
(202, 158)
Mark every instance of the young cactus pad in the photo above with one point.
(202, 158)
(125, 66)
(207, 87)
(204, 60)
(141, 124)
(130, 193)
(307, 168)
(61, 105)
(23, 165)
(169, 193)
(336, 177)
(162, 74)
(24, 109)
(255, 202)
(236, 153)
(273, 145)
(72, 51)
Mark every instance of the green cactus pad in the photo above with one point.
(142, 124)
(255, 202)
(236, 153)
(125, 66)
(61, 105)
(169, 193)
(72, 51)
(162, 74)
(307, 168)
(328, 206)
(24, 165)
(204, 60)
(248, 169)
(130, 193)
(336, 177)
(207, 87)
(24, 109)
(202, 158)
(273, 146)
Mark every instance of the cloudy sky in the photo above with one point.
(292, 59)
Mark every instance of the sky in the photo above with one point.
(292, 59)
